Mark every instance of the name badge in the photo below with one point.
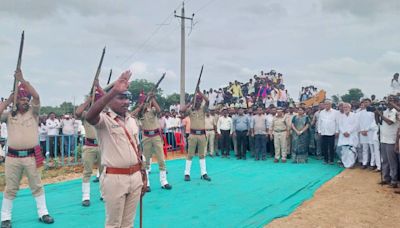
(23, 153)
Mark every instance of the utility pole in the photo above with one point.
(183, 18)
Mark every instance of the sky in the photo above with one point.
(332, 44)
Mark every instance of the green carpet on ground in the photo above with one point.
(241, 194)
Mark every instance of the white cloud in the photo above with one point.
(333, 44)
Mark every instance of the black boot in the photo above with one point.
(167, 186)
(206, 177)
(6, 224)
(86, 203)
(187, 178)
(47, 219)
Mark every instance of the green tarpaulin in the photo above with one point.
(241, 194)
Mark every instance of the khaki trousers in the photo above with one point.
(91, 156)
(14, 169)
(154, 145)
(199, 142)
(210, 137)
(280, 143)
(121, 194)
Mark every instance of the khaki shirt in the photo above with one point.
(210, 123)
(197, 117)
(90, 131)
(23, 129)
(279, 124)
(117, 151)
(150, 121)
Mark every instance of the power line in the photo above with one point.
(155, 31)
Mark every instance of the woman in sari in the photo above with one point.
(300, 125)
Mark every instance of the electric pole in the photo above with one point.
(183, 18)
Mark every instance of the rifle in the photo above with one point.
(96, 77)
(146, 102)
(109, 77)
(15, 88)
(197, 86)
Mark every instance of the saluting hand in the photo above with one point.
(122, 83)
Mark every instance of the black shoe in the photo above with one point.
(96, 180)
(217, 154)
(238, 158)
(47, 219)
(187, 178)
(101, 199)
(393, 185)
(372, 168)
(384, 183)
(205, 177)
(148, 189)
(167, 186)
(6, 224)
(86, 203)
(364, 167)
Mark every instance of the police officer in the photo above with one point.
(91, 152)
(122, 179)
(152, 141)
(197, 137)
(23, 151)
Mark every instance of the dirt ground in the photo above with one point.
(55, 175)
(351, 199)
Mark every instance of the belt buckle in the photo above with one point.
(151, 132)
(22, 153)
(95, 141)
(198, 132)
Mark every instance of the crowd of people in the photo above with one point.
(57, 134)
(265, 89)
(240, 118)
(307, 92)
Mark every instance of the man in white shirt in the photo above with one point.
(53, 127)
(327, 128)
(170, 127)
(348, 129)
(366, 120)
(225, 130)
(3, 133)
(389, 128)
(68, 131)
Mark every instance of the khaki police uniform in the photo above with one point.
(23, 137)
(197, 138)
(210, 125)
(121, 192)
(279, 129)
(91, 156)
(152, 143)
(216, 139)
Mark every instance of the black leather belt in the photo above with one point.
(21, 153)
(197, 132)
(151, 133)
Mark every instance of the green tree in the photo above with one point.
(354, 94)
(336, 99)
(139, 85)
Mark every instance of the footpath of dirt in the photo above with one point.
(351, 199)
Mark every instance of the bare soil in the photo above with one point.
(351, 199)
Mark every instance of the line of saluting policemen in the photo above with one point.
(111, 137)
